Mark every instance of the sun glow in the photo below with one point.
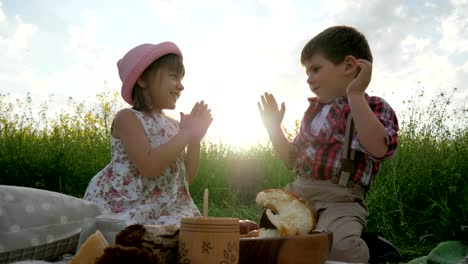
(241, 127)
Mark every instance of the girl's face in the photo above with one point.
(165, 89)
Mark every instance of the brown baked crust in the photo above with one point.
(161, 241)
(296, 196)
(92, 249)
(253, 233)
(268, 202)
(309, 205)
(245, 226)
(131, 236)
(118, 254)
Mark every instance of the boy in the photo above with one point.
(338, 63)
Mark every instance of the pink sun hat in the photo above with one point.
(134, 63)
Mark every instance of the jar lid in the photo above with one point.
(210, 221)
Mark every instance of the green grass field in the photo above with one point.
(419, 198)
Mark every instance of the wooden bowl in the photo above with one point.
(311, 248)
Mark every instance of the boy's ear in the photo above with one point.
(141, 82)
(350, 64)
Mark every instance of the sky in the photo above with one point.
(234, 51)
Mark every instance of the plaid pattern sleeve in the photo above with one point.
(384, 112)
(320, 141)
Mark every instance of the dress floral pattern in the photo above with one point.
(121, 189)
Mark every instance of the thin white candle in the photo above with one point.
(205, 203)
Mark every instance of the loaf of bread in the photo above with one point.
(148, 243)
(91, 250)
(289, 213)
(118, 254)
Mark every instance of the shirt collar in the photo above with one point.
(340, 100)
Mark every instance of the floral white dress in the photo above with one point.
(121, 189)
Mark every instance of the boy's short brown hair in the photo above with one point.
(335, 43)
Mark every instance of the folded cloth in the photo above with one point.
(420, 260)
(337, 262)
(37, 224)
(63, 260)
(448, 252)
(40, 262)
(31, 262)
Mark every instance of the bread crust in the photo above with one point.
(92, 249)
(286, 211)
(147, 242)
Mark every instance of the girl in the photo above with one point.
(154, 157)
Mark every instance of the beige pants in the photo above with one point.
(340, 210)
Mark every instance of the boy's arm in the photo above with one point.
(371, 133)
(282, 146)
(272, 117)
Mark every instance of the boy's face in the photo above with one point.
(326, 80)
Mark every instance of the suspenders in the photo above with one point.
(347, 163)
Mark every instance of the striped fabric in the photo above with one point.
(47, 252)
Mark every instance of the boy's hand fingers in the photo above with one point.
(271, 101)
(264, 102)
(283, 110)
(364, 65)
(260, 108)
(210, 121)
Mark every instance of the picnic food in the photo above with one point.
(246, 226)
(290, 214)
(91, 249)
(147, 242)
(118, 254)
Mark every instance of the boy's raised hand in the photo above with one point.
(271, 115)
(359, 85)
(197, 122)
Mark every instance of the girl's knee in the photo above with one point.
(350, 249)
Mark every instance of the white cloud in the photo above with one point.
(412, 44)
(22, 35)
(15, 43)
(73, 67)
(2, 15)
(172, 12)
(19, 41)
(405, 44)
(430, 5)
(464, 67)
(455, 31)
(81, 43)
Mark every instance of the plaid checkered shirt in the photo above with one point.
(320, 141)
